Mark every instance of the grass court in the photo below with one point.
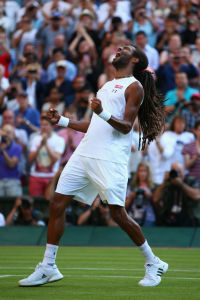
(100, 273)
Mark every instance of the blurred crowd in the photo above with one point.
(57, 54)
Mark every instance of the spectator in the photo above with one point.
(177, 137)
(57, 55)
(4, 83)
(166, 73)
(2, 220)
(55, 5)
(5, 57)
(33, 86)
(177, 198)
(24, 35)
(191, 111)
(196, 54)
(164, 37)
(46, 149)
(5, 21)
(46, 35)
(54, 101)
(142, 22)
(10, 154)
(27, 118)
(31, 10)
(191, 154)
(108, 74)
(151, 53)
(139, 202)
(64, 86)
(23, 213)
(179, 96)
(72, 138)
(8, 99)
(173, 47)
(190, 34)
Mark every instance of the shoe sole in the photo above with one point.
(39, 284)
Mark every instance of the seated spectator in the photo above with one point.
(177, 199)
(31, 10)
(179, 96)
(54, 101)
(143, 22)
(196, 54)
(23, 213)
(139, 202)
(72, 138)
(97, 215)
(8, 99)
(64, 86)
(173, 47)
(161, 12)
(166, 73)
(27, 118)
(151, 53)
(46, 149)
(191, 154)
(57, 55)
(191, 111)
(10, 154)
(33, 86)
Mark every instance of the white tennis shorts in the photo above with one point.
(85, 178)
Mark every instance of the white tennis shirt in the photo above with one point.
(102, 141)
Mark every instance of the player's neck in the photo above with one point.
(123, 73)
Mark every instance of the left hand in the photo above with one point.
(96, 106)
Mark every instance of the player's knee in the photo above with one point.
(117, 214)
(57, 205)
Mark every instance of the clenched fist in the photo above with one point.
(96, 106)
(53, 116)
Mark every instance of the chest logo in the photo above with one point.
(117, 86)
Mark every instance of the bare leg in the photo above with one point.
(121, 217)
(56, 224)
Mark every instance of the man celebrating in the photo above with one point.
(99, 164)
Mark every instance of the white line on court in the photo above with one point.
(109, 276)
(99, 269)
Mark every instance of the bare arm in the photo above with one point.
(81, 126)
(133, 96)
(10, 161)
(189, 162)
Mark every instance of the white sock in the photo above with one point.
(50, 255)
(147, 252)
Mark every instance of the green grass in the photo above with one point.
(101, 273)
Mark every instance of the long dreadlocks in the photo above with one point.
(151, 114)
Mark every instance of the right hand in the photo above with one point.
(53, 116)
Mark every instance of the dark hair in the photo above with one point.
(177, 117)
(141, 32)
(151, 115)
(197, 124)
(56, 50)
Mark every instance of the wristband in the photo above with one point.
(64, 122)
(105, 115)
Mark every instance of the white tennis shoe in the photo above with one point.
(153, 274)
(41, 275)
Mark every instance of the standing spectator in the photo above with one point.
(166, 73)
(31, 10)
(179, 96)
(46, 149)
(25, 34)
(33, 86)
(64, 86)
(57, 55)
(27, 118)
(54, 101)
(10, 154)
(191, 154)
(139, 202)
(191, 111)
(142, 22)
(177, 137)
(151, 53)
(46, 35)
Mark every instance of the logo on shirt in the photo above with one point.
(118, 86)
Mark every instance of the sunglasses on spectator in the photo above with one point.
(32, 71)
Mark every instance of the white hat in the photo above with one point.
(61, 63)
(87, 12)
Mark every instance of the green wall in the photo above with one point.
(101, 236)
